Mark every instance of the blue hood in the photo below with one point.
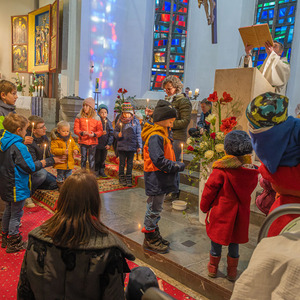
(7, 139)
(278, 146)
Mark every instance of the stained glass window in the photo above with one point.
(280, 15)
(169, 40)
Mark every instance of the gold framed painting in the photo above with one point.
(19, 58)
(19, 29)
(54, 35)
(39, 40)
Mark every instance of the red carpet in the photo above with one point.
(10, 264)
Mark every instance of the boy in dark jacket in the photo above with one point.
(15, 166)
(160, 172)
(104, 141)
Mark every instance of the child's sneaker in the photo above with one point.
(29, 203)
(129, 180)
(154, 243)
(122, 180)
(15, 243)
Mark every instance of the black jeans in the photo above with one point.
(100, 159)
(88, 152)
(122, 157)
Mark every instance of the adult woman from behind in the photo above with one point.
(73, 255)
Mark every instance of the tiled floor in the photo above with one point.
(123, 211)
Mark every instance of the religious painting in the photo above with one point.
(54, 34)
(19, 58)
(54, 18)
(53, 54)
(39, 40)
(19, 29)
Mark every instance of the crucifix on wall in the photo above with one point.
(210, 7)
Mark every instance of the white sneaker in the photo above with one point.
(29, 203)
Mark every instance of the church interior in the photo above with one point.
(63, 55)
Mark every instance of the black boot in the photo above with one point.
(122, 180)
(102, 174)
(129, 180)
(165, 242)
(4, 240)
(172, 196)
(154, 243)
(14, 243)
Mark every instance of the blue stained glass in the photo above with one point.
(174, 7)
(179, 50)
(271, 13)
(290, 37)
(175, 42)
(264, 15)
(282, 12)
(291, 10)
(262, 56)
(291, 20)
(179, 30)
(167, 6)
(280, 21)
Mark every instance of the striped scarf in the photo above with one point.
(232, 162)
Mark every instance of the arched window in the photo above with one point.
(280, 15)
(169, 40)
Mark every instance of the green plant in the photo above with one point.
(35, 83)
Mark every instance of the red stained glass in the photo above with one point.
(165, 18)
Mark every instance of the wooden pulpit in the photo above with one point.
(243, 84)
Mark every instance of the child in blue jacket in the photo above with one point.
(16, 164)
(129, 140)
(104, 141)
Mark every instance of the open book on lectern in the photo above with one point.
(256, 35)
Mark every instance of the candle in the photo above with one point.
(39, 91)
(35, 89)
(23, 80)
(190, 93)
(120, 127)
(105, 125)
(68, 144)
(30, 80)
(42, 93)
(196, 92)
(147, 103)
(182, 153)
(44, 155)
(32, 128)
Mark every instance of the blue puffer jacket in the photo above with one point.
(131, 138)
(108, 138)
(16, 164)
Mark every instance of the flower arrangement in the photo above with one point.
(20, 84)
(121, 99)
(34, 83)
(210, 146)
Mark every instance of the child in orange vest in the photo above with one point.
(160, 172)
(88, 127)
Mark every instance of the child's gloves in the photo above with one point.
(181, 166)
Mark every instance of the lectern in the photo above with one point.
(243, 84)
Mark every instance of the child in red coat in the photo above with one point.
(226, 200)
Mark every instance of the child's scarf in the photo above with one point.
(126, 120)
(64, 138)
(232, 162)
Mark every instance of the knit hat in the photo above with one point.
(127, 108)
(164, 111)
(89, 101)
(140, 279)
(237, 143)
(102, 106)
(267, 109)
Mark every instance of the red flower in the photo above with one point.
(226, 98)
(125, 91)
(120, 91)
(207, 122)
(118, 97)
(190, 148)
(213, 97)
(213, 135)
(228, 124)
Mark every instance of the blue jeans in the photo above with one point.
(63, 174)
(88, 152)
(177, 150)
(12, 216)
(44, 180)
(154, 208)
(122, 158)
(216, 250)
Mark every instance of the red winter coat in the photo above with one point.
(90, 125)
(226, 199)
(286, 182)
